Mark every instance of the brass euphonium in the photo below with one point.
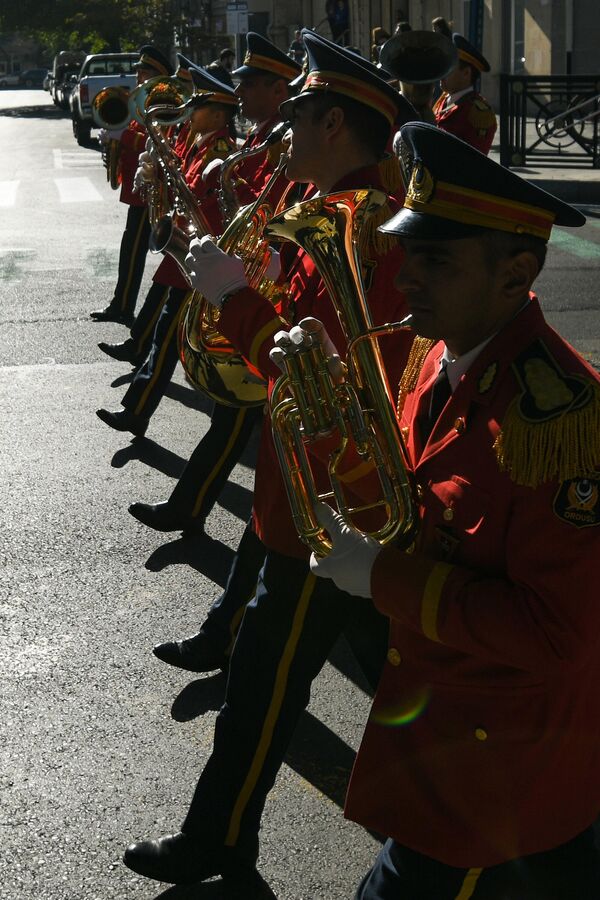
(211, 363)
(110, 109)
(306, 403)
(169, 195)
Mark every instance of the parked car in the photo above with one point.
(64, 80)
(8, 80)
(33, 77)
(97, 72)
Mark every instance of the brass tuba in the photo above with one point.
(418, 59)
(307, 405)
(211, 363)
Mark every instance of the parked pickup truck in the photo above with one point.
(98, 71)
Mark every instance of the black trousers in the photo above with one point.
(151, 379)
(132, 259)
(146, 318)
(568, 872)
(287, 631)
(211, 463)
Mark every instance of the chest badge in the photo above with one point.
(577, 502)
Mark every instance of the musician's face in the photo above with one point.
(453, 292)
(306, 148)
(144, 74)
(260, 96)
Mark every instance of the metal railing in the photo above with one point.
(550, 120)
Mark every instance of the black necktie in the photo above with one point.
(440, 394)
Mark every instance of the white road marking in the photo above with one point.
(78, 158)
(77, 190)
(8, 193)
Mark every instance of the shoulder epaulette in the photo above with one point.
(219, 150)
(416, 360)
(481, 115)
(551, 430)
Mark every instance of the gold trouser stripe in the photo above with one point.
(235, 623)
(259, 339)
(469, 884)
(159, 364)
(431, 599)
(133, 257)
(272, 712)
(151, 325)
(239, 421)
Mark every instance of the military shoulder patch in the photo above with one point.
(577, 502)
(551, 430)
(481, 115)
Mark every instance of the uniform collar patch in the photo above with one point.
(488, 378)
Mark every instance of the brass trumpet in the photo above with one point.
(307, 405)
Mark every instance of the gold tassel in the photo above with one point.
(373, 240)
(416, 359)
(565, 447)
(391, 175)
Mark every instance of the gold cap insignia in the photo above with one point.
(421, 185)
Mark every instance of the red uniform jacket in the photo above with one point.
(470, 118)
(483, 743)
(217, 145)
(133, 142)
(250, 322)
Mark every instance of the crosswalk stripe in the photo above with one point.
(8, 193)
(575, 246)
(75, 159)
(77, 190)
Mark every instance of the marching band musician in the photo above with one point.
(480, 759)
(461, 109)
(264, 81)
(136, 347)
(134, 243)
(341, 122)
(216, 105)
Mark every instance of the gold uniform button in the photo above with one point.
(419, 492)
(394, 657)
(481, 734)
(448, 514)
(460, 425)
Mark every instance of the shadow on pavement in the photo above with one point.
(199, 697)
(220, 890)
(152, 454)
(127, 378)
(201, 552)
(236, 499)
(35, 112)
(189, 397)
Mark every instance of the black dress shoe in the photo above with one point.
(175, 859)
(124, 420)
(195, 654)
(163, 517)
(110, 314)
(124, 352)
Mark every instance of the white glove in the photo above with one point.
(144, 174)
(273, 270)
(103, 136)
(212, 165)
(115, 134)
(352, 555)
(213, 272)
(303, 336)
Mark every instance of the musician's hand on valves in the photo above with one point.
(302, 337)
(212, 272)
(352, 554)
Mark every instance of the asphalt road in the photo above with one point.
(101, 743)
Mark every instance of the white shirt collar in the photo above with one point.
(459, 366)
(452, 98)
